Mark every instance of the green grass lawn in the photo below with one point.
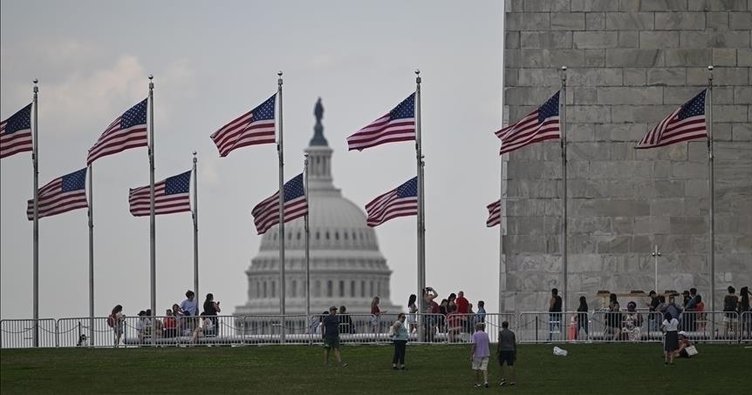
(589, 369)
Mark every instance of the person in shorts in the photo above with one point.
(330, 333)
(507, 352)
(480, 354)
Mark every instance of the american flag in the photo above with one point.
(60, 195)
(541, 124)
(494, 214)
(171, 195)
(685, 123)
(396, 125)
(125, 132)
(254, 127)
(15, 133)
(266, 213)
(399, 202)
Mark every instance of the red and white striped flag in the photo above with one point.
(399, 202)
(125, 132)
(266, 213)
(396, 125)
(252, 128)
(541, 124)
(60, 195)
(171, 195)
(494, 214)
(685, 123)
(15, 133)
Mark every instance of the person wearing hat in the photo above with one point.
(330, 333)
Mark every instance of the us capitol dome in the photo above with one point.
(346, 266)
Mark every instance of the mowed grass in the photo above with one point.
(438, 369)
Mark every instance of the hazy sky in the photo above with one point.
(213, 61)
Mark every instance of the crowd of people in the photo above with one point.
(180, 320)
(454, 315)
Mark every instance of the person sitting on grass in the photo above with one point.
(684, 343)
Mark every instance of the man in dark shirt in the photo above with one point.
(554, 313)
(507, 352)
(330, 333)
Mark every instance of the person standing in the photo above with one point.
(730, 307)
(376, 314)
(211, 308)
(480, 353)
(507, 353)
(430, 311)
(400, 337)
(671, 341)
(582, 317)
(330, 333)
(554, 313)
(189, 306)
(412, 310)
(745, 314)
(115, 321)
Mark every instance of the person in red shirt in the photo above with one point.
(463, 306)
(170, 324)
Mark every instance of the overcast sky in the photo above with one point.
(213, 61)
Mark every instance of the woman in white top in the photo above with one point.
(671, 343)
(412, 309)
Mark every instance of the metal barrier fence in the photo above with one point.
(530, 327)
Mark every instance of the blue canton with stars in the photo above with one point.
(406, 109)
(19, 121)
(694, 107)
(549, 109)
(294, 188)
(180, 183)
(136, 115)
(408, 189)
(74, 181)
(265, 110)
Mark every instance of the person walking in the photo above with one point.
(400, 337)
(507, 353)
(330, 333)
(480, 353)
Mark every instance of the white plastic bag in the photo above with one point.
(560, 352)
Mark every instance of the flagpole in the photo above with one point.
(563, 118)
(502, 262)
(152, 222)
(195, 225)
(307, 247)
(280, 150)
(35, 253)
(421, 203)
(91, 252)
(711, 182)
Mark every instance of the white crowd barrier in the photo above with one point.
(530, 327)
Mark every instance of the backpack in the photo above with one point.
(111, 321)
